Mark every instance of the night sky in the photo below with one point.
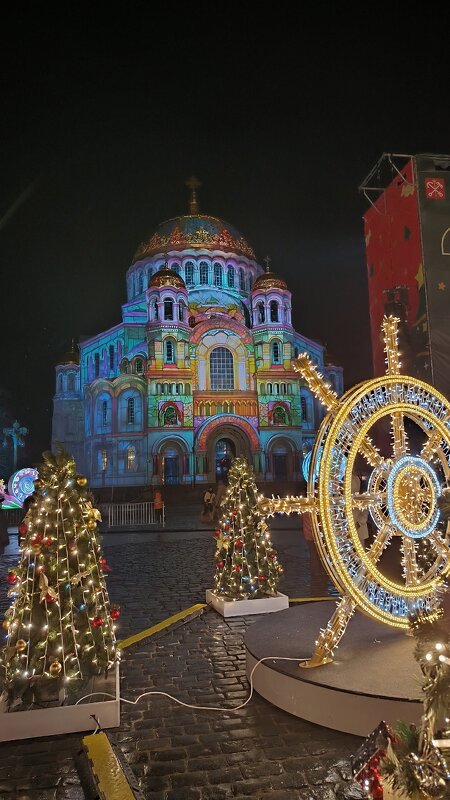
(104, 118)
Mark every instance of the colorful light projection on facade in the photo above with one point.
(200, 364)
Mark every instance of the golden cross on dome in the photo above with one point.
(267, 261)
(193, 183)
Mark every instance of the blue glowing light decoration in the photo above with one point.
(20, 486)
(403, 464)
(306, 464)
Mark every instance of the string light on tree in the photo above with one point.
(60, 626)
(247, 566)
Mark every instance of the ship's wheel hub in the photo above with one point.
(412, 492)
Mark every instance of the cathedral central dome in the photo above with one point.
(195, 231)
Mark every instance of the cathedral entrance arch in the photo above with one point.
(225, 452)
(281, 459)
(223, 438)
(172, 463)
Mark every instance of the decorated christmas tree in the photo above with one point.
(60, 625)
(417, 758)
(246, 563)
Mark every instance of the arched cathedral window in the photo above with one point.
(276, 353)
(230, 277)
(221, 369)
(168, 309)
(217, 274)
(189, 272)
(261, 313)
(273, 311)
(169, 351)
(130, 411)
(204, 273)
(241, 280)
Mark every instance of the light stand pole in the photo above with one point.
(17, 434)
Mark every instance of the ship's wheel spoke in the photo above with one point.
(380, 542)
(399, 437)
(371, 453)
(364, 500)
(440, 544)
(409, 561)
(432, 443)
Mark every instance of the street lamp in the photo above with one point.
(17, 434)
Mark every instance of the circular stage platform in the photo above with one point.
(374, 677)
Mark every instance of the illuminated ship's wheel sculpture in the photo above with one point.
(400, 570)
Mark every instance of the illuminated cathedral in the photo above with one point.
(199, 369)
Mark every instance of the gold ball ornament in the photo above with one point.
(92, 524)
(55, 668)
(82, 481)
(6, 624)
(21, 645)
(36, 548)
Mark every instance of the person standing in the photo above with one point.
(208, 505)
(158, 505)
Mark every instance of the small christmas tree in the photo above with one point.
(246, 563)
(60, 626)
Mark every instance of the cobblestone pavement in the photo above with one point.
(175, 752)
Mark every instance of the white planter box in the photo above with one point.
(67, 719)
(240, 608)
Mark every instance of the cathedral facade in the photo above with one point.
(198, 371)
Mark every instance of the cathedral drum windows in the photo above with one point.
(182, 311)
(130, 411)
(273, 311)
(96, 365)
(71, 382)
(217, 274)
(221, 368)
(241, 280)
(189, 273)
(168, 309)
(260, 313)
(111, 357)
(230, 277)
(139, 366)
(204, 273)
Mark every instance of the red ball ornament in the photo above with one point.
(38, 537)
(47, 540)
(234, 512)
(217, 533)
(239, 544)
(226, 527)
(272, 555)
(220, 563)
(237, 568)
(97, 622)
(49, 598)
(115, 613)
(11, 578)
(104, 565)
(23, 529)
(261, 578)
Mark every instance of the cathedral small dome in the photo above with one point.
(167, 277)
(71, 357)
(195, 231)
(269, 280)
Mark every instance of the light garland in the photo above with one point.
(58, 588)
